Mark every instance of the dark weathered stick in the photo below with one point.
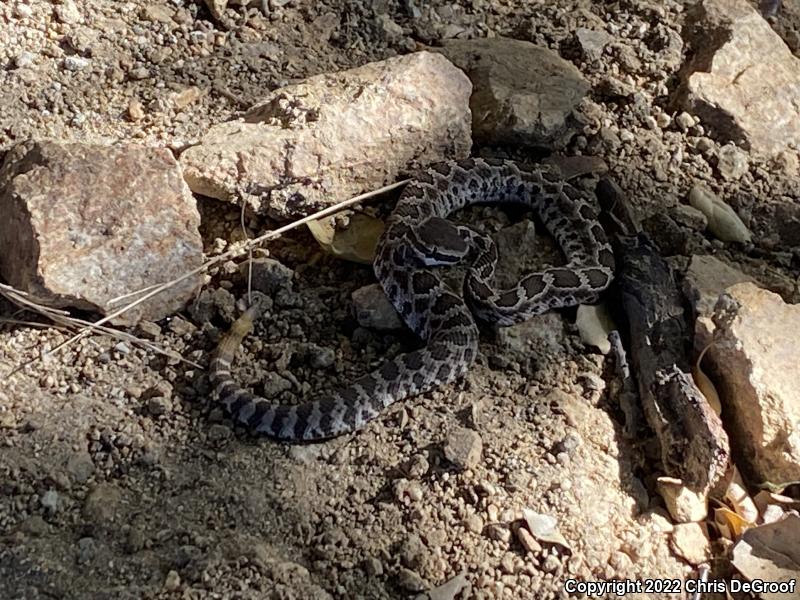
(628, 398)
(694, 446)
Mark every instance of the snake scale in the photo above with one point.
(417, 240)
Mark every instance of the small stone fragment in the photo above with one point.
(100, 506)
(528, 541)
(683, 504)
(24, 60)
(135, 110)
(451, 589)
(80, 467)
(49, 501)
(592, 41)
(373, 309)
(690, 217)
(159, 405)
(474, 523)
(269, 275)
(68, 12)
(417, 467)
(76, 63)
(321, 358)
(731, 162)
(499, 532)
(684, 121)
(373, 567)
(411, 581)
(87, 550)
(690, 541)
(463, 448)
(172, 582)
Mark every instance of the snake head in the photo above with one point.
(439, 242)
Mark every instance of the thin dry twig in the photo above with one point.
(235, 253)
(63, 320)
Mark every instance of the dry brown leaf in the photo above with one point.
(705, 385)
(356, 242)
(730, 524)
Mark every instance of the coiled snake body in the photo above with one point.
(418, 239)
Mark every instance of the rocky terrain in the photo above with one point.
(120, 478)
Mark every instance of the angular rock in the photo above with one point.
(690, 541)
(310, 145)
(373, 309)
(269, 275)
(690, 217)
(684, 504)
(101, 504)
(731, 162)
(706, 278)
(84, 224)
(730, 85)
(523, 94)
(754, 359)
(592, 41)
(463, 448)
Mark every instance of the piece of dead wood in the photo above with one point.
(694, 446)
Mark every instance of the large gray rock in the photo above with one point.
(755, 358)
(83, 224)
(743, 79)
(310, 145)
(706, 278)
(523, 94)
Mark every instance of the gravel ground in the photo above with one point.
(119, 478)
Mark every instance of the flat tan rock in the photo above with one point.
(84, 224)
(313, 144)
(743, 80)
(755, 358)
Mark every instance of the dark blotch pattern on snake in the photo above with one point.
(418, 239)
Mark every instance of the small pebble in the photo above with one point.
(463, 448)
(23, 11)
(49, 501)
(373, 567)
(24, 59)
(409, 580)
(528, 542)
(417, 466)
(473, 523)
(172, 582)
(684, 121)
(496, 531)
(87, 549)
(75, 63)
(159, 405)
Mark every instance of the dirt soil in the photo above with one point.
(119, 478)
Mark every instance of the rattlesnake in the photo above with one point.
(417, 240)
